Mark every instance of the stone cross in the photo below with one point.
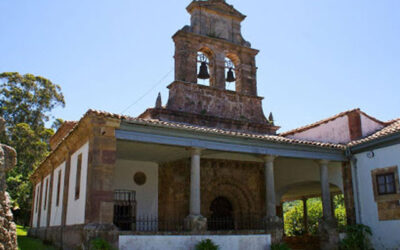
(8, 158)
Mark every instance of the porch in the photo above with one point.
(203, 187)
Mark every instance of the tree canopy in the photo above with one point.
(26, 102)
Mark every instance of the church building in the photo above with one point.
(209, 164)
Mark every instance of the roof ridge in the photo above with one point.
(392, 128)
(315, 124)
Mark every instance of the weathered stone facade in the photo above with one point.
(242, 183)
(215, 31)
(8, 237)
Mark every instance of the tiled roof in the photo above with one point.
(183, 126)
(392, 128)
(316, 124)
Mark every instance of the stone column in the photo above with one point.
(270, 186)
(329, 237)
(325, 193)
(195, 221)
(274, 224)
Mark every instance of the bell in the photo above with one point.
(230, 76)
(203, 71)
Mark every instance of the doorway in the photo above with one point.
(221, 215)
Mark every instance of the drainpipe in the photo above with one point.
(356, 188)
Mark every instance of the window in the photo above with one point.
(386, 183)
(45, 194)
(58, 188)
(125, 209)
(78, 177)
(37, 198)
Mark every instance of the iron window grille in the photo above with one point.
(125, 209)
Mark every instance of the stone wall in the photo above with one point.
(8, 237)
(199, 99)
(242, 183)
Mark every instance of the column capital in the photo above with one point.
(196, 151)
(269, 158)
(322, 162)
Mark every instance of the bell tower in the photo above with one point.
(215, 73)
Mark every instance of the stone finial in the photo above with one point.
(271, 118)
(158, 101)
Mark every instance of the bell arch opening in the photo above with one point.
(231, 71)
(205, 67)
(221, 215)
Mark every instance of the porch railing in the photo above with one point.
(148, 223)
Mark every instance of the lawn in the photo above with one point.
(26, 243)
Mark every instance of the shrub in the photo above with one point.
(206, 245)
(279, 246)
(357, 238)
(100, 244)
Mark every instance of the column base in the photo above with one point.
(329, 236)
(195, 223)
(274, 226)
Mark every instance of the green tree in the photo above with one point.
(26, 102)
(293, 215)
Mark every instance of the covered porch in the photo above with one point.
(195, 184)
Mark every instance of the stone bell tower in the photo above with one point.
(214, 42)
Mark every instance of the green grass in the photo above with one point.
(26, 243)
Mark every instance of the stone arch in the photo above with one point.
(232, 189)
(235, 59)
(210, 55)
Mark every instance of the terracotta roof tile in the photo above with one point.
(392, 128)
(270, 138)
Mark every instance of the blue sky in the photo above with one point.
(317, 57)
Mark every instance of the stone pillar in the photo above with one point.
(325, 192)
(274, 224)
(270, 186)
(99, 213)
(329, 236)
(195, 221)
(220, 71)
(305, 215)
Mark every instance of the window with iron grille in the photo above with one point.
(386, 183)
(125, 209)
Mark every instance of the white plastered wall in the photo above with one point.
(56, 210)
(45, 201)
(147, 194)
(76, 208)
(290, 172)
(36, 206)
(385, 233)
(336, 131)
(369, 126)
